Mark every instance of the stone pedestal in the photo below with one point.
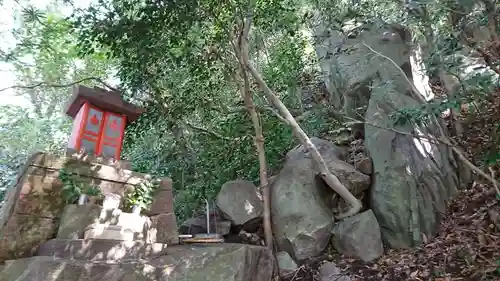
(164, 223)
(163, 202)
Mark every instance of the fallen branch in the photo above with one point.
(48, 85)
(329, 178)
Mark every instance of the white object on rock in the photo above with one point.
(82, 199)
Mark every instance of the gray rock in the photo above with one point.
(412, 178)
(330, 272)
(359, 236)
(363, 164)
(285, 262)
(302, 220)
(240, 203)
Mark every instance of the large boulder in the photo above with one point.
(239, 201)
(359, 236)
(412, 178)
(302, 219)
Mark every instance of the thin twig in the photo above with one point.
(48, 85)
(442, 140)
(416, 93)
(207, 131)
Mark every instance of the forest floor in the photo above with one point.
(467, 245)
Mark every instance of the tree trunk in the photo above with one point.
(259, 145)
(330, 179)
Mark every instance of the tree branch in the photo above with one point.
(415, 92)
(442, 140)
(330, 179)
(260, 108)
(207, 131)
(48, 85)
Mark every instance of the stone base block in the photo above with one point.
(109, 232)
(75, 218)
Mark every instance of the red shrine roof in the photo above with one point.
(106, 100)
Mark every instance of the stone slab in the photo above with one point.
(85, 167)
(100, 250)
(221, 262)
(76, 218)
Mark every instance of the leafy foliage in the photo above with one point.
(73, 187)
(142, 195)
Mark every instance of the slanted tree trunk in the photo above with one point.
(329, 178)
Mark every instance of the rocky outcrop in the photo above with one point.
(412, 178)
(359, 236)
(301, 217)
(228, 262)
(239, 202)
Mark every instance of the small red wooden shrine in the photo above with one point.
(100, 118)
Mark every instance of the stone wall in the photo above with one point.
(32, 209)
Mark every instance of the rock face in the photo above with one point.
(412, 178)
(302, 220)
(222, 262)
(240, 203)
(359, 236)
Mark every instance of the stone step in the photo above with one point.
(100, 250)
(56, 269)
